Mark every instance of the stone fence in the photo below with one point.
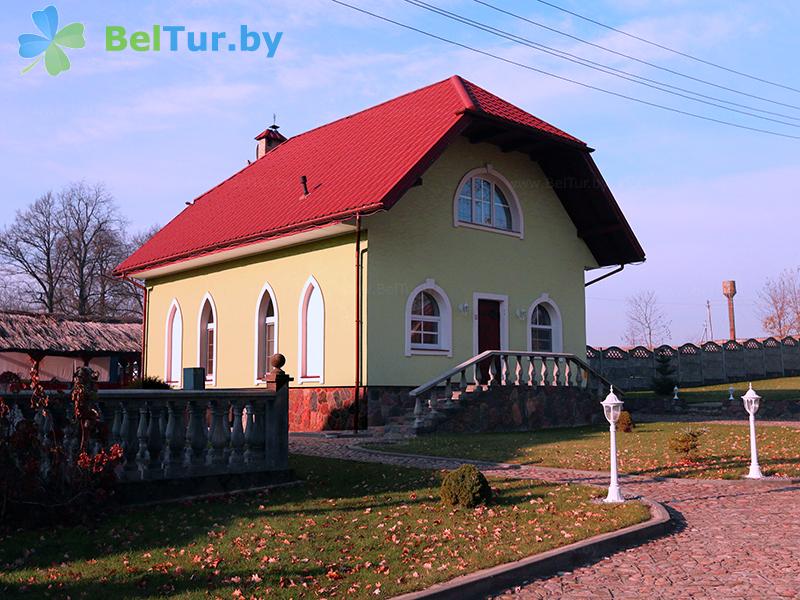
(709, 363)
(186, 442)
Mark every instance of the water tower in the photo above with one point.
(729, 291)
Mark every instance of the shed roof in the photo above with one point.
(60, 335)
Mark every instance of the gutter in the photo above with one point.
(357, 386)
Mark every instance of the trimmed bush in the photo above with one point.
(466, 486)
(149, 382)
(686, 442)
(625, 422)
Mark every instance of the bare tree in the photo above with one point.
(13, 294)
(647, 325)
(779, 304)
(91, 228)
(59, 255)
(31, 248)
(126, 295)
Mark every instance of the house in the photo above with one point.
(381, 249)
(56, 345)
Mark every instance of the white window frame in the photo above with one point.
(212, 380)
(556, 323)
(266, 291)
(445, 321)
(169, 349)
(489, 173)
(302, 337)
(503, 299)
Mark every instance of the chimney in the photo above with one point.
(268, 139)
(729, 291)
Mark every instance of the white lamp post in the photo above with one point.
(751, 402)
(730, 393)
(612, 407)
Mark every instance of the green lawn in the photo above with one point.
(782, 388)
(724, 451)
(353, 529)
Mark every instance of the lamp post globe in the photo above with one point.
(612, 407)
(752, 401)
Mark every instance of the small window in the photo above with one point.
(208, 340)
(482, 202)
(425, 321)
(428, 321)
(174, 335)
(266, 333)
(541, 330)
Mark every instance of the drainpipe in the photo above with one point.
(144, 320)
(609, 274)
(357, 387)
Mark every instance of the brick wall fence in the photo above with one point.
(709, 363)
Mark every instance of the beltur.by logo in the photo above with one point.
(177, 38)
(48, 45)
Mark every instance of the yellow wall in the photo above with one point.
(414, 241)
(235, 287)
(417, 240)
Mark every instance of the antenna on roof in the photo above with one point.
(274, 125)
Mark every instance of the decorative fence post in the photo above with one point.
(276, 444)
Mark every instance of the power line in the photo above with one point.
(561, 77)
(678, 52)
(639, 60)
(627, 76)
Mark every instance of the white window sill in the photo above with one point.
(429, 352)
(516, 234)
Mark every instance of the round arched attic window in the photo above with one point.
(484, 200)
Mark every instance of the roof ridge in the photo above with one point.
(463, 93)
(369, 108)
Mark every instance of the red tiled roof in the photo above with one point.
(360, 163)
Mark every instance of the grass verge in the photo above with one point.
(352, 530)
(724, 451)
(781, 388)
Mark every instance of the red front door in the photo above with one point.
(488, 333)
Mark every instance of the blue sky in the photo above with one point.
(707, 202)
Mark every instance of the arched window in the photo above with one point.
(266, 332)
(428, 320)
(174, 345)
(544, 320)
(312, 332)
(486, 200)
(541, 330)
(207, 339)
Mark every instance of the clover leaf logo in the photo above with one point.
(32, 45)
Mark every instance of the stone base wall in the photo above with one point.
(331, 408)
(385, 403)
(324, 409)
(523, 408)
